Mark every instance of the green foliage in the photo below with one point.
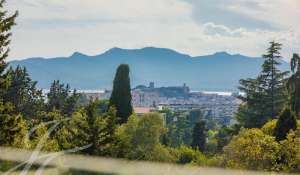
(62, 98)
(13, 131)
(140, 138)
(264, 96)
(290, 151)
(293, 85)
(273, 80)
(211, 146)
(195, 116)
(121, 94)
(269, 127)
(287, 121)
(23, 94)
(252, 149)
(6, 24)
(91, 126)
(179, 131)
(199, 136)
(225, 135)
(188, 155)
(40, 139)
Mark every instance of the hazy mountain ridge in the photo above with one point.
(217, 72)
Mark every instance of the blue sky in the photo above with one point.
(50, 28)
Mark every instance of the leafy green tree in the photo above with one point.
(252, 149)
(179, 131)
(23, 94)
(140, 137)
(62, 98)
(287, 121)
(121, 94)
(293, 84)
(264, 96)
(92, 127)
(199, 136)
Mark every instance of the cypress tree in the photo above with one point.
(287, 121)
(121, 94)
(199, 136)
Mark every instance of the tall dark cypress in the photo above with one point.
(121, 94)
(199, 135)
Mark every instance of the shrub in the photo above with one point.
(252, 149)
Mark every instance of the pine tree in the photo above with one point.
(6, 24)
(265, 95)
(121, 94)
(23, 94)
(272, 80)
(91, 126)
(287, 121)
(62, 98)
(199, 136)
(12, 128)
(293, 85)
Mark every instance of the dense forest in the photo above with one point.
(265, 137)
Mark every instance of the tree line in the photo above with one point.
(265, 137)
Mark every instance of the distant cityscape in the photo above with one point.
(219, 105)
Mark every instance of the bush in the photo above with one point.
(188, 155)
(269, 127)
(252, 149)
(290, 152)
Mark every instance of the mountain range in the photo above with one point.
(217, 72)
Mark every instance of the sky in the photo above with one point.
(52, 28)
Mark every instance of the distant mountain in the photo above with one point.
(218, 72)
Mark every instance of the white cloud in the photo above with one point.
(59, 27)
(214, 29)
